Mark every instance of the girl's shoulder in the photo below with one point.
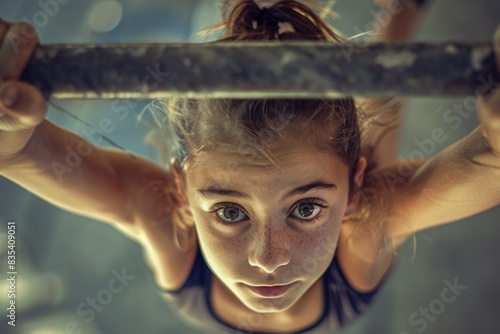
(363, 256)
(169, 264)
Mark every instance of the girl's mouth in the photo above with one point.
(271, 291)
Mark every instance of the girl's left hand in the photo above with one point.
(488, 108)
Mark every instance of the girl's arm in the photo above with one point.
(69, 172)
(59, 166)
(405, 16)
(380, 142)
(460, 181)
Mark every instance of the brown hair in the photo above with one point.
(253, 125)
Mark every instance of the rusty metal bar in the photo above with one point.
(261, 70)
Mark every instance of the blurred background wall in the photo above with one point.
(64, 259)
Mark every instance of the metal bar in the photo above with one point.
(261, 70)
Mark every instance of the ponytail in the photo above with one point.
(285, 20)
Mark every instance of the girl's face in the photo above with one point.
(260, 225)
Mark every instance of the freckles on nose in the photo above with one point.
(276, 243)
(271, 249)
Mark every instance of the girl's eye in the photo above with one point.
(231, 214)
(306, 211)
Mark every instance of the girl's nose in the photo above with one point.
(271, 247)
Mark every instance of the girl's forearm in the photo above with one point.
(460, 181)
(66, 170)
(382, 130)
(405, 16)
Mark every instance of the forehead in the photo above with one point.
(228, 165)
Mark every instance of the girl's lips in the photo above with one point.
(271, 291)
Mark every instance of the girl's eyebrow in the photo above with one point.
(214, 191)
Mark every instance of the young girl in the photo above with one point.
(274, 215)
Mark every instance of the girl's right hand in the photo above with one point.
(22, 106)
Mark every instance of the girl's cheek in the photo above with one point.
(227, 242)
(326, 238)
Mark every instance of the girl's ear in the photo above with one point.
(359, 175)
(177, 178)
